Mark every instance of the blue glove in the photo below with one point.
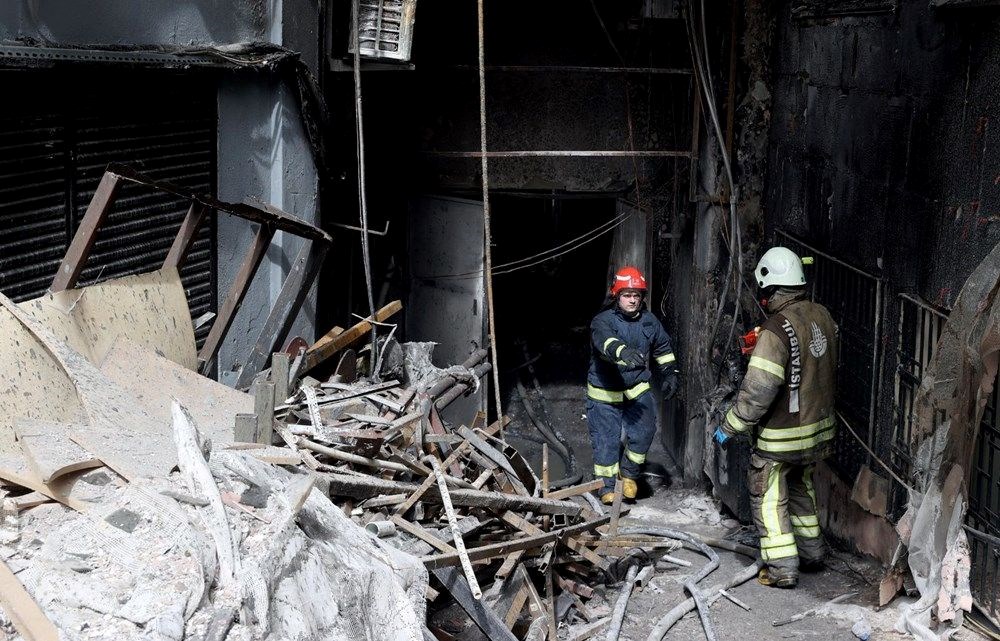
(720, 436)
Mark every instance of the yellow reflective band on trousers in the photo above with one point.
(796, 439)
(776, 544)
(768, 366)
(663, 359)
(635, 457)
(806, 527)
(735, 422)
(606, 470)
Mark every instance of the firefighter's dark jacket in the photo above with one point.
(611, 331)
(786, 401)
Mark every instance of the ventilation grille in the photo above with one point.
(386, 28)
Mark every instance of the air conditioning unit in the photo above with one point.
(386, 29)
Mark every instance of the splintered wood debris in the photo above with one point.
(346, 506)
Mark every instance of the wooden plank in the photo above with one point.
(304, 270)
(241, 283)
(365, 487)
(83, 241)
(509, 564)
(576, 490)
(22, 610)
(186, 235)
(325, 339)
(422, 534)
(571, 542)
(488, 622)
(497, 426)
(325, 347)
(263, 407)
(280, 363)
(516, 604)
(245, 429)
(503, 548)
(616, 512)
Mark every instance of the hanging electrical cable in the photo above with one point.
(362, 196)
(543, 256)
(487, 234)
(734, 270)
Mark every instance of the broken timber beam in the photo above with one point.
(366, 487)
(504, 548)
(329, 345)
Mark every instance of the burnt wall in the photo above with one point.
(883, 145)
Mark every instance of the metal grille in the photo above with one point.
(34, 152)
(386, 28)
(54, 146)
(854, 299)
(920, 328)
(983, 517)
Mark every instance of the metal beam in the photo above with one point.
(241, 284)
(76, 256)
(565, 153)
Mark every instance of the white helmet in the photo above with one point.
(780, 266)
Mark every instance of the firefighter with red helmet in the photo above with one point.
(625, 339)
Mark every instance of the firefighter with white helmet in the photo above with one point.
(786, 406)
(625, 338)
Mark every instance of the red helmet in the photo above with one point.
(628, 278)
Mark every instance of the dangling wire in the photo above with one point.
(487, 234)
(734, 270)
(362, 196)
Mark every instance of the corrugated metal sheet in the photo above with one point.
(54, 154)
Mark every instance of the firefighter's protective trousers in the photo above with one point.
(786, 405)
(606, 421)
(784, 509)
(618, 394)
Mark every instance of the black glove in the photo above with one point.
(632, 357)
(671, 381)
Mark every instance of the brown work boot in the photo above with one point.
(778, 577)
(608, 498)
(629, 488)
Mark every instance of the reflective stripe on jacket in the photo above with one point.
(611, 331)
(790, 382)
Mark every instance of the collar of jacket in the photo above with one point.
(784, 297)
